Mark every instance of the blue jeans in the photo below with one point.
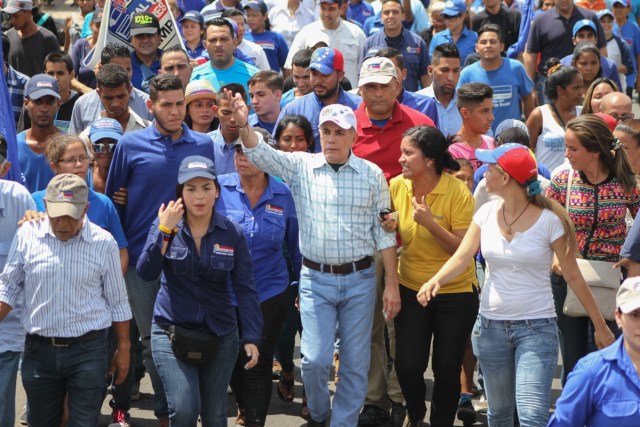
(191, 389)
(518, 359)
(327, 300)
(78, 371)
(142, 298)
(8, 372)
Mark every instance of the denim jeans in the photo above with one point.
(8, 372)
(252, 388)
(78, 371)
(326, 300)
(576, 333)
(191, 389)
(446, 322)
(518, 359)
(142, 298)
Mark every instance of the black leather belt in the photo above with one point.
(339, 269)
(64, 341)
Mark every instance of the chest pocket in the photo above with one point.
(273, 227)
(620, 408)
(177, 257)
(220, 267)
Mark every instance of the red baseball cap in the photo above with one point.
(515, 159)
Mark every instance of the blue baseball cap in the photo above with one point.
(196, 167)
(454, 8)
(584, 23)
(515, 159)
(194, 16)
(327, 60)
(604, 12)
(621, 2)
(258, 5)
(508, 124)
(41, 85)
(105, 128)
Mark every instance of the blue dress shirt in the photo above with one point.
(466, 42)
(266, 226)
(222, 153)
(421, 103)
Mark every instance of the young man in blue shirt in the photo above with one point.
(146, 163)
(265, 90)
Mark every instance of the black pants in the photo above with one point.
(252, 387)
(448, 319)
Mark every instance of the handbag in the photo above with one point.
(193, 346)
(602, 279)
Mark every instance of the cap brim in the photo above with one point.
(11, 10)
(195, 174)
(324, 69)
(97, 136)
(190, 98)
(254, 7)
(140, 31)
(450, 12)
(57, 209)
(486, 156)
(43, 92)
(630, 306)
(343, 124)
(189, 18)
(383, 80)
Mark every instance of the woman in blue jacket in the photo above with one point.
(207, 304)
(264, 208)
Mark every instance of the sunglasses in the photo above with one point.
(104, 147)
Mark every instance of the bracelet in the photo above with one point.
(165, 230)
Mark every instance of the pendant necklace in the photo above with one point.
(509, 229)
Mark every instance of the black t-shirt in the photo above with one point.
(27, 55)
(507, 19)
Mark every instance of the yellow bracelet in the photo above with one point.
(164, 229)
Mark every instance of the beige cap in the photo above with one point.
(628, 297)
(377, 70)
(67, 195)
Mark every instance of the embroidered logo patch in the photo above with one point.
(218, 249)
(274, 209)
(65, 195)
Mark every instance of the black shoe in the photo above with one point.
(372, 415)
(466, 413)
(398, 414)
(313, 423)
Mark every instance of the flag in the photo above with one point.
(527, 11)
(8, 128)
(117, 18)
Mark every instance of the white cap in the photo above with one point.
(340, 115)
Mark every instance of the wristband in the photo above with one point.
(165, 230)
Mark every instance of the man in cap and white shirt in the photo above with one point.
(29, 42)
(338, 241)
(70, 270)
(343, 35)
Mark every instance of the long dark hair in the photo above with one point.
(433, 145)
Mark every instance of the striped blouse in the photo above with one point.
(597, 211)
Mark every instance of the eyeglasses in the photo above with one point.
(75, 160)
(620, 117)
(104, 147)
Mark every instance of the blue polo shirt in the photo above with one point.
(466, 42)
(222, 153)
(413, 49)
(255, 121)
(602, 390)
(35, 167)
(101, 212)
(266, 226)
(421, 103)
(141, 74)
(214, 289)
(360, 12)
(198, 53)
(274, 46)
(240, 72)
(310, 106)
(146, 162)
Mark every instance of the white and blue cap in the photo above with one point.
(628, 297)
(454, 8)
(105, 128)
(41, 85)
(508, 124)
(339, 114)
(194, 16)
(196, 167)
(624, 3)
(604, 12)
(584, 23)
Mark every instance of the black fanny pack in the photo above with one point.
(191, 345)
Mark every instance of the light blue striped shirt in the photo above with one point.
(71, 287)
(337, 211)
(14, 201)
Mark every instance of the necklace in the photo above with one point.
(509, 229)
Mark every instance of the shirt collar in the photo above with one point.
(319, 161)
(154, 134)
(396, 116)
(44, 228)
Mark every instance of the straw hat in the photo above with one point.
(199, 89)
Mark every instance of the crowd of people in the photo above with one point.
(397, 181)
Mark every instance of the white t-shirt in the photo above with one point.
(517, 285)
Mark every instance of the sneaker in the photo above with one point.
(119, 418)
(466, 413)
(135, 391)
(482, 405)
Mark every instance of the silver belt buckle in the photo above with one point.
(53, 343)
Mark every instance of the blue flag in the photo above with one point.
(8, 128)
(528, 10)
